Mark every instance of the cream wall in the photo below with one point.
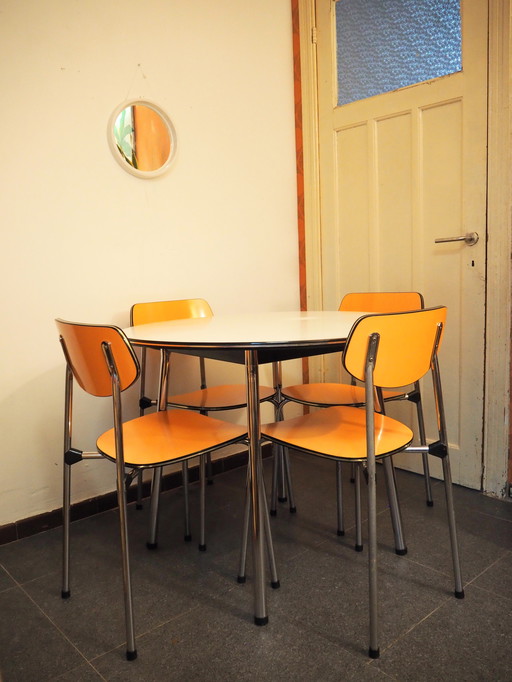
(83, 240)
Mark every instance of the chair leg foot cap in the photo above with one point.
(187, 538)
(459, 595)
(430, 503)
(65, 594)
(131, 655)
(340, 533)
(260, 621)
(139, 506)
(282, 499)
(273, 512)
(210, 481)
(275, 585)
(241, 579)
(401, 552)
(373, 653)
(151, 545)
(202, 548)
(358, 548)
(293, 510)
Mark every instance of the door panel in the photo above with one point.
(398, 171)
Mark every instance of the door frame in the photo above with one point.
(497, 405)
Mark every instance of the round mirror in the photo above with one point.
(142, 138)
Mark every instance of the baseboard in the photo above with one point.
(80, 510)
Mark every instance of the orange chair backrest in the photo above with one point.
(164, 311)
(83, 348)
(406, 345)
(382, 301)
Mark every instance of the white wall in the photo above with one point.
(83, 240)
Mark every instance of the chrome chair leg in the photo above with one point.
(357, 498)
(131, 651)
(65, 593)
(274, 579)
(184, 472)
(139, 491)
(373, 651)
(424, 455)
(155, 499)
(288, 479)
(275, 476)
(202, 502)
(245, 532)
(282, 492)
(339, 499)
(209, 469)
(459, 590)
(394, 506)
(282, 481)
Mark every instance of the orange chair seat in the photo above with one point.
(164, 437)
(339, 433)
(231, 396)
(332, 394)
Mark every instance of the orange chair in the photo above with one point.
(101, 360)
(331, 394)
(391, 350)
(205, 399)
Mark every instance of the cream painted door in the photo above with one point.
(398, 171)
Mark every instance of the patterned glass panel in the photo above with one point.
(383, 45)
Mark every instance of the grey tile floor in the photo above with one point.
(195, 622)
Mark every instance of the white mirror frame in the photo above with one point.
(146, 175)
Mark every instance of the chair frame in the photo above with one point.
(376, 302)
(190, 308)
(73, 455)
(439, 449)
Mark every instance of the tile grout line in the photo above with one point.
(418, 623)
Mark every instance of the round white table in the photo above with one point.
(250, 339)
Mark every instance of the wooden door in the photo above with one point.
(397, 171)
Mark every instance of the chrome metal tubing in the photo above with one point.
(423, 441)
(394, 506)
(288, 479)
(66, 503)
(131, 651)
(156, 485)
(281, 476)
(339, 499)
(438, 394)
(254, 431)
(142, 391)
(357, 500)
(202, 503)
(420, 449)
(459, 589)
(275, 475)
(268, 534)
(184, 473)
(245, 530)
(274, 580)
(281, 483)
(372, 497)
(278, 481)
(163, 385)
(203, 385)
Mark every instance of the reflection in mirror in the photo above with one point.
(142, 138)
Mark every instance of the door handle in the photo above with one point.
(470, 238)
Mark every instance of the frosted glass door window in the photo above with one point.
(383, 45)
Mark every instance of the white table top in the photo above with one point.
(248, 330)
